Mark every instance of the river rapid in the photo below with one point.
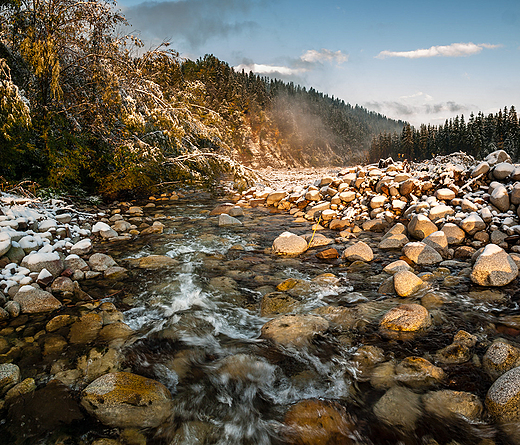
(197, 329)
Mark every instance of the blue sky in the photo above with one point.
(420, 61)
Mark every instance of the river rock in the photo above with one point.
(439, 212)
(496, 157)
(445, 194)
(33, 300)
(397, 266)
(289, 244)
(503, 170)
(454, 234)
(446, 404)
(99, 262)
(503, 398)
(347, 196)
(420, 226)
(421, 253)
(156, 228)
(275, 197)
(277, 303)
(472, 224)
(399, 407)
(9, 376)
(5, 243)
(74, 262)
(155, 262)
(417, 372)
(83, 247)
(406, 283)
(294, 330)
(126, 400)
(224, 220)
(63, 286)
(396, 241)
(222, 208)
(406, 318)
(86, 329)
(494, 267)
(499, 358)
(358, 252)
(500, 198)
(36, 261)
(480, 169)
(438, 240)
(318, 422)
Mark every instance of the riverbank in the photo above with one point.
(395, 279)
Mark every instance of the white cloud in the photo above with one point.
(419, 95)
(306, 62)
(324, 55)
(453, 50)
(267, 69)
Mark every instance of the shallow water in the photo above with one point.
(198, 332)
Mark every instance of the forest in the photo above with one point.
(85, 107)
(478, 137)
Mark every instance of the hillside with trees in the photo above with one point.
(478, 137)
(83, 104)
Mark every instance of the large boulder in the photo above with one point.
(494, 267)
(38, 261)
(289, 244)
(125, 400)
(33, 300)
(472, 224)
(500, 198)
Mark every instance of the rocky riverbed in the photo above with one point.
(366, 305)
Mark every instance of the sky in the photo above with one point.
(421, 61)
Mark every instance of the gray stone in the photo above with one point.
(500, 198)
(9, 376)
(289, 244)
(420, 226)
(32, 300)
(421, 253)
(494, 267)
(224, 220)
(358, 252)
(503, 170)
(472, 224)
(499, 358)
(503, 398)
(99, 262)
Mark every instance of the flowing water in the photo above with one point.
(198, 332)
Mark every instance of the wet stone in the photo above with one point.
(446, 403)
(503, 398)
(86, 329)
(317, 422)
(499, 358)
(399, 407)
(277, 303)
(9, 376)
(294, 330)
(406, 317)
(417, 372)
(127, 400)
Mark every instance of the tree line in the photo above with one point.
(479, 136)
(81, 103)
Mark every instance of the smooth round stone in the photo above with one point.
(289, 244)
(5, 243)
(396, 241)
(480, 169)
(126, 400)
(347, 196)
(33, 300)
(445, 194)
(446, 403)
(503, 170)
(417, 372)
(503, 398)
(421, 253)
(99, 262)
(496, 157)
(399, 407)
(82, 247)
(358, 252)
(472, 224)
(378, 201)
(318, 422)
(438, 240)
(420, 226)
(406, 283)
(499, 358)
(397, 266)
(224, 220)
(500, 198)
(406, 318)
(440, 211)
(9, 376)
(494, 267)
(294, 330)
(38, 261)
